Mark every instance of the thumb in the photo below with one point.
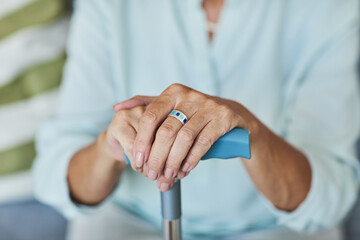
(134, 102)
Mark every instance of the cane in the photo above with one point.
(235, 143)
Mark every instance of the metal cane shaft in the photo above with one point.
(171, 212)
(235, 143)
(172, 229)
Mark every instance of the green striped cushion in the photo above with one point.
(36, 12)
(17, 159)
(31, 81)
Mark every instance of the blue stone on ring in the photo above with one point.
(179, 115)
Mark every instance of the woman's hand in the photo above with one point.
(94, 171)
(164, 145)
(121, 133)
(120, 137)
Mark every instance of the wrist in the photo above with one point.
(258, 131)
(260, 134)
(247, 120)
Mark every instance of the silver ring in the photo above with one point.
(179, 116)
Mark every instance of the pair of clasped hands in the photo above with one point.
(161, 147)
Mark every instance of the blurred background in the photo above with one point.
(33, 36)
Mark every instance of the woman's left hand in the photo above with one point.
(166, 147)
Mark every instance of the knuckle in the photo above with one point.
(138, 109)
(210, 103)
(225, 112)
(174, 165)
(176, 87)
(155, 163)
(121, 117)
(194, 96)
(148, 118)
(173, 162)
(224, 109)
(204, 141)
(186, 135)
(193, 159)
(166, 131)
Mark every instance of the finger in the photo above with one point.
(153, 116)
(134, 102)
(182, 144)
(126, 136)
(145, 170)
(182, 174)
(134, 116)
(206, 138)
(125, 131)
(165, 184)
(165, 136)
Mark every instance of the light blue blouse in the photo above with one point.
(291, 62)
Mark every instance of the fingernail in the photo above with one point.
(186, 167)
(181, 175)
(139, 159)
(164, 187)
(169, 173)
(152, 175)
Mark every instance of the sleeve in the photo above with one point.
(322, 120)
(84, 110)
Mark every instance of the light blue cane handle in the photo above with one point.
(127, 159)
(235, 143)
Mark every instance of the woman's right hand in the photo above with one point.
(94, 171)
(120, 135)
(119, 139)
